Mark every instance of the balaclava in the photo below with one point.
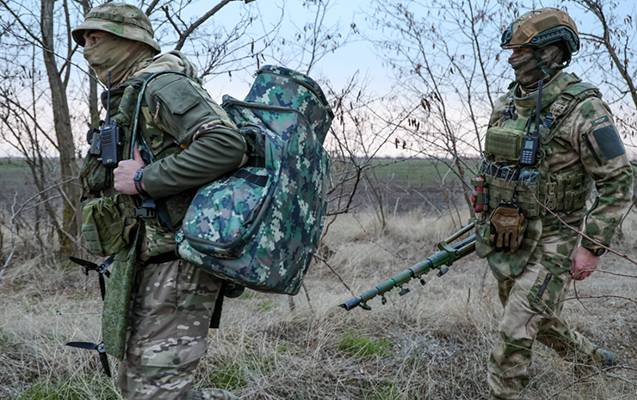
(531, 66)
(120, 57)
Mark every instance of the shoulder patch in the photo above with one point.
(608, 141)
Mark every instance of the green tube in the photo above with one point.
(440, 258)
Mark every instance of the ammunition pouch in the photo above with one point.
(107, 224)
(565, 192)
(531, 191)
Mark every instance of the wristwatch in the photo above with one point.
(139, 175)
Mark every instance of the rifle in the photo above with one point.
(449, 252)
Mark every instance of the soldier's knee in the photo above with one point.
(176, 353)
(512, 351)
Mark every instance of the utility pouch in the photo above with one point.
(105, 226)
(157, 240)
(507, 227)
(95, 177)
(504, 144)
(115, 315)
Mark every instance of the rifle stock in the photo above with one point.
(450, 250)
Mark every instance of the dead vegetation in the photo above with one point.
(430, 344)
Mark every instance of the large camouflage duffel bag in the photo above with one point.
(259, 226)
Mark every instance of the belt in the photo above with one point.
(162, 258)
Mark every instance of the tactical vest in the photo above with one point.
(97, 180)
(536, 188)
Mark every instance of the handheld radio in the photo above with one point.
(531, 141)
(109, 135)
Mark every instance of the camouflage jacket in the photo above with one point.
(191, 141)
(579, 151)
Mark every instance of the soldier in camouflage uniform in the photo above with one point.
(541, 161)
(184, 140)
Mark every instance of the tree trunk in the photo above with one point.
(93, 107)
(63, 133)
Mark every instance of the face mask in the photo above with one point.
(117, 56)
(527, 69)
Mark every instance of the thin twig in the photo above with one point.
(580, 232)
(324, 261)
(307, 297)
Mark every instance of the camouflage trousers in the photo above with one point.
(169, 322)
(532, 306)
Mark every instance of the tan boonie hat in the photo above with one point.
(540, 28)
(120, 19)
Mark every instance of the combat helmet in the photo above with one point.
(119, 19)
(542, 27)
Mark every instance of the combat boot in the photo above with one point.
(603, 358)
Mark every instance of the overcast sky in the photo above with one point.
(357, 55)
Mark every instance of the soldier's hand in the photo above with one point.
(583, 263)
(125, 172)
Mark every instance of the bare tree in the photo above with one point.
(38, 34)
(614, 37)
(449, 68)
(49, 30)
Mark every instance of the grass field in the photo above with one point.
(421, 172)
(432, 343)
(415, 171)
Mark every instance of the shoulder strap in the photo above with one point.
(566, 102)
(570, 98)
(145, 80)
(147, 206)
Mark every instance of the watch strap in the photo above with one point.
(137, 179)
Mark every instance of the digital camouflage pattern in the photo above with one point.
(282, 87)
(574, 157)
(120, 19)
(266, 239)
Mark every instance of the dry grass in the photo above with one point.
(431, 344)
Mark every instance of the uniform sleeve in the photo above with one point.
(212, 144)
(604, 159)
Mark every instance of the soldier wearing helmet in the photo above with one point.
(551, 139)
(166, 138)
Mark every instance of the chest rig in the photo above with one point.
(515, 183)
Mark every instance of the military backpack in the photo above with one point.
(259, 226)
